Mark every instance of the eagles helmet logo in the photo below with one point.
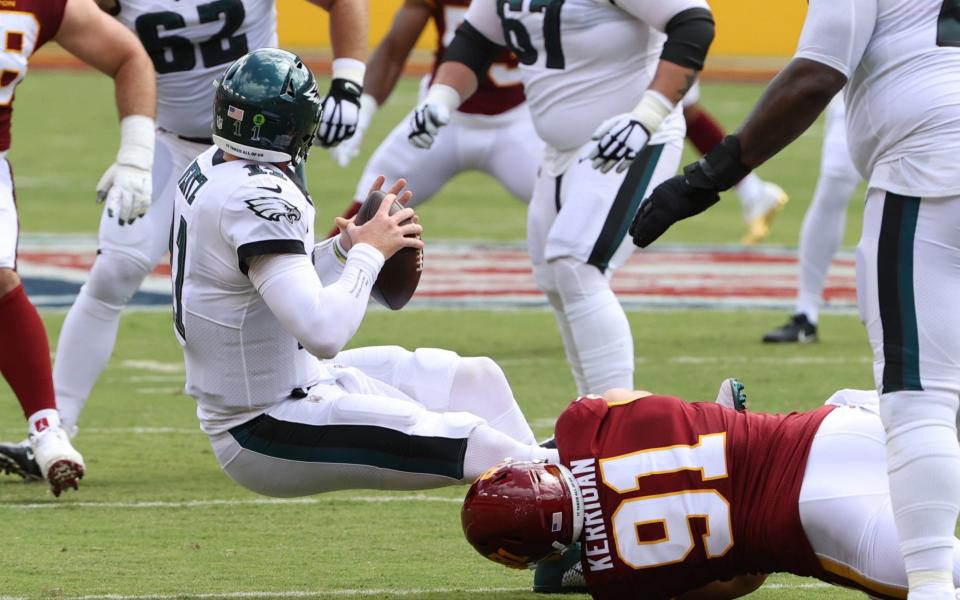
(273, 209)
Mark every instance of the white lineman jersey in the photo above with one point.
(239, 358)
(191, 42)
(581, 61)
(902, 58)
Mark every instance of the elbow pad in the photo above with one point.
(473, 49)
(689, 34)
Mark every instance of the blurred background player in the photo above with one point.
(84, 31)
(490, 132)
(823, 227)
(190, 43)
(604, 85)
(900, 63)
(263, 314)
(695, 500)
(760, 200)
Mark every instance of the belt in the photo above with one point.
(207, 141)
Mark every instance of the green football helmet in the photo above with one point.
(266, 107)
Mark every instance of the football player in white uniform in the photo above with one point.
(81, 29)
(191, 42)
(902, 61)
(492, 132)
(603, 81)
(257, 306)
(823, 227)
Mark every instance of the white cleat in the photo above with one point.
(731, 394)
(762, 211)
(60, 464)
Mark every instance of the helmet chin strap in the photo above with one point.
(576, 498)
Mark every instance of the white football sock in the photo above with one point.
(820, 238)
(750, 191)
(480, 388)
(599, 328)
(546, 278)
(90, 331)
(923, 463)
(569, 347)
(487, 447)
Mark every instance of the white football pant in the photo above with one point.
(126, 255)
(823, 224)
(577, 237)
(423, 419)
(504, 146)
(908, 282)
(845, 504)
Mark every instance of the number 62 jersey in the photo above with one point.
(678, 494)
(191, 42)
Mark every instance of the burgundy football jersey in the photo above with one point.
(25, 25)
(500, 90)
(678, 494)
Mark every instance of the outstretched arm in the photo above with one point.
(834, 38)
(477, 42)
(103, 43)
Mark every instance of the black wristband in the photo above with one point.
(344, 89)
(720, 169)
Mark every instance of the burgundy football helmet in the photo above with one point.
(518, 513)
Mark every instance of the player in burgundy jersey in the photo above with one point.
(492, 131)
(93, 37)
(692, 500)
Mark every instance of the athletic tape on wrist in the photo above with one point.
(350, 69)
(443, 95)
(652, 110)
(137, 138)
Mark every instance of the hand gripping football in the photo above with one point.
(400, 275)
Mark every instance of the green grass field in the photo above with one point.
(155, 518)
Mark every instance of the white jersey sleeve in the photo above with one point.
(482, 14)
(263, 218)
(836, 33)
(657, 13)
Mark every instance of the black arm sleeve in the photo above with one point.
(473, 49)
(689, 34)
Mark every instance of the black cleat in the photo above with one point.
(560, 575)
(550, 443)
(798, 330)
(17, 459)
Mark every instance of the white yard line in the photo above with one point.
(154, 366)
(231, 502)
(348, 592)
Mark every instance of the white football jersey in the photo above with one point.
(582, 61)
(191, 42)
(902, 58)
(239, 359)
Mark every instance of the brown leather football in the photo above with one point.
(400, 275)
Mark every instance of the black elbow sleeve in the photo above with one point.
(689, 34)
(473, 49)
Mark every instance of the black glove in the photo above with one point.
(341, 113)
(689, 194)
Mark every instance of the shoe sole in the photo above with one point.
(759, 228)
(12, 467)
(64, 474)
(801, 340)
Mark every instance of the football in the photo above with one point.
(400, 275)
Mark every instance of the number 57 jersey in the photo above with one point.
(680, 494)
(191, 43)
